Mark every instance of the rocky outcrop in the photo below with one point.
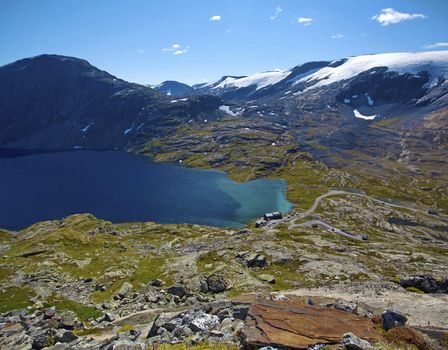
(299, 326)
(425, 283)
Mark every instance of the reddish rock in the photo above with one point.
(298, 326)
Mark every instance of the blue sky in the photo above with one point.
(148, 41)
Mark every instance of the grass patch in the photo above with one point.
(83, 312)
(15, 298)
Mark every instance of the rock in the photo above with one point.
(156, 282)
(67, 322)
(352, 342)
(41, 341)
(49, 313)
(205, 322)
(391, 319)
(161, 321)
(64, 337)
(108, 317)
(216, 284)
(267, 278)
(178, 290)
(425, 283)
(127, 345)
(252, 260)
(244, 231)
(400, 335)
(287, 324)
(125, 290)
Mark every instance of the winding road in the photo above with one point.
(292, 219)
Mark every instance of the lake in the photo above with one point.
(123, 187)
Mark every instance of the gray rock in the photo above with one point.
(216, 284)
(108, 317)
(353, 342)
(204, 322)
(41, 341)
(267, 278)
(252, 260)
(64, 337)
(425, 283)
(156, 282)
(67, 322)
(125, 290)
(178, 290)
(391, 319)
(127, 345)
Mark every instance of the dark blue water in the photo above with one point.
(121, 187)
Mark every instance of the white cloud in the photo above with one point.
(215, 18)
(176, 49)
(390, 16)
(306, 21)
(278, 10)
(338, 36)
(436, 46)
(180, 52)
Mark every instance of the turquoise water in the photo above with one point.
(122, 187)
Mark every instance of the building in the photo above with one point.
(276, 215)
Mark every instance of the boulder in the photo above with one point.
(64, 336)
(287, 324)
(252, 260)
(41, 341)
(67, 322)
(108, 317)
(216, 284)
(156, 282)
(425, 283)
(267, 278)
(125, 290)
(178, 290)
(391, 319)
(204, 322)
(352, 342)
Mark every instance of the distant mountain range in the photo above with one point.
(52, 101)
(368, 80)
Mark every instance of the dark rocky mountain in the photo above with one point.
(173, 88)
(52, 101)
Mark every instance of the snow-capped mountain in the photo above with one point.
(364, 80)
(173, 88)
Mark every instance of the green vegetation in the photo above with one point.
(15, 298)
(415, 290)
(83, 312)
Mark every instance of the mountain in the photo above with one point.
(367, 80)
(52, 101)
(173, 88)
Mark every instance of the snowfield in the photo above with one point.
(435, 62)
(260, 80)
(362, 116)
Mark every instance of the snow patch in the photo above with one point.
(369, 100)
(346, 100)
(362, 116)
(87, 127)
(227, 109)
(179, 100)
